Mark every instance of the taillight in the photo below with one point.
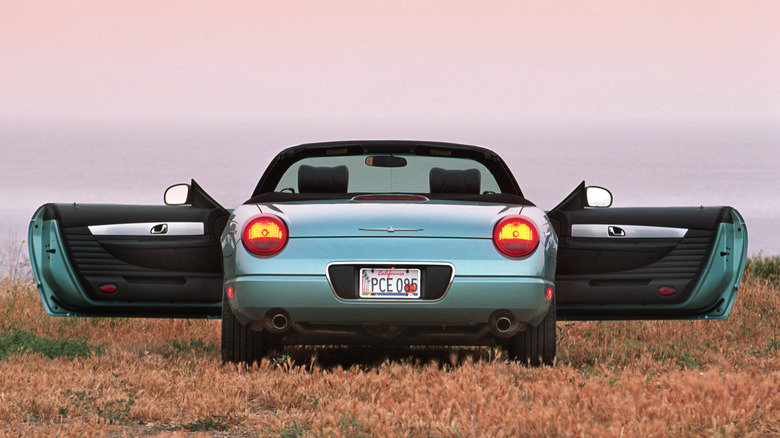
(264, 235)
(515, 236)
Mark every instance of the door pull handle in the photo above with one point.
(614, 231)
(159, 229)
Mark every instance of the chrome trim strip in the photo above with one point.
(612, 231)
(149, 229)
(389, 197)
(390, 229)
(389, 265)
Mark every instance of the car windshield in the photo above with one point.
(387, 173)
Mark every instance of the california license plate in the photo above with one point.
(390, 283)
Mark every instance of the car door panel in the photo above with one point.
(648, 263)
(128, 260)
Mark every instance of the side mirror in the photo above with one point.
(177, 194)
(598, 197)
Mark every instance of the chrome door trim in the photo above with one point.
(149, 229)
(612, 231)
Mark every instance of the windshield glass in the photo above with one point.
(387, 173)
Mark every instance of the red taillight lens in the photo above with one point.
(264, 235)
(515, 236)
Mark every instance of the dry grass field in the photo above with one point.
(132, 377)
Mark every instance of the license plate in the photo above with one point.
(389, 283)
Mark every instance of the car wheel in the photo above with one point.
(239, 342)
(535, 346)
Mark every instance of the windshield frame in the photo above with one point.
(288, 157)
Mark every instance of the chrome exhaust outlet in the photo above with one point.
(280, 321)
(277, 321)
(504, 325)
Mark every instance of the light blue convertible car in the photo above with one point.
(388, 242)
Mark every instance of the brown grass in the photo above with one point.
(673, 378)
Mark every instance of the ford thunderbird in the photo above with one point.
(387, 242)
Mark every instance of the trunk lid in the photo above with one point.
(382, 219)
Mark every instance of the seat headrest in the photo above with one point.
(323, 179)
(465, 181)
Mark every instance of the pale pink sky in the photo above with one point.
(390, 60)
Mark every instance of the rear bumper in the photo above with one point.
(310, 300)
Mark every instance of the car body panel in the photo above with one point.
(311, 300)
(302, 268)
(341, 218)
(312, 246)
(95, 260)
(649, 263)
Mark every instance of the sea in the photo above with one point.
(642, 164)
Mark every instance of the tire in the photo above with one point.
(535, 346)
(239, 342)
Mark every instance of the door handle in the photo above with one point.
(159, 229)
(614, 231)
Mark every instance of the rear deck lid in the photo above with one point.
(414, 218)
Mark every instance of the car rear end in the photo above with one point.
(387, 243)
(406, 271)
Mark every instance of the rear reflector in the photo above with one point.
(264, 235)
(108, 288)
(666, 291)
(515, 236)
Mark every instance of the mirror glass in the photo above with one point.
(598, 197)
(385, 161)
(177, 194)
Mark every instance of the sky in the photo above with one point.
(392, 61)
(664, 102)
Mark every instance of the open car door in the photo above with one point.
(646, 263)
(130, 260)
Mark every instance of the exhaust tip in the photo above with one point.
(277, 321)
(504, 325)
(280, 321)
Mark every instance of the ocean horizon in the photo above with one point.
(650, 164)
